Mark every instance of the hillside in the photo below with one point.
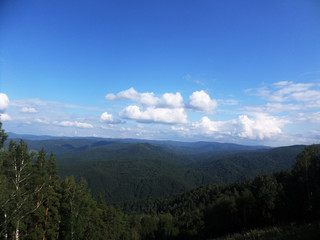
(170, 205)
(246, 165)
(125, 180)
(132, 169)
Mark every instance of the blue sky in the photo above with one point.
(230, 71)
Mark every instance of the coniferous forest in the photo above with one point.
(38, 204)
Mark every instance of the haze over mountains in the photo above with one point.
(130, 169)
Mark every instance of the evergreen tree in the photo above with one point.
(52, 201)
(306, 179)
(266, 192)
(39, 181)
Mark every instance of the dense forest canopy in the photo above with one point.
(37, 204)
(122, 170)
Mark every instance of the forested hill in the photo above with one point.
(142, 171)
(37, 204)
(212, 210)
(125, 180)
(131, 169)
(246, 165)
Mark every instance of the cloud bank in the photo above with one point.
(168, 108)
(285, 112)
(260, 126)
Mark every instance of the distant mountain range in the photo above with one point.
(128, 169)
(62, 145)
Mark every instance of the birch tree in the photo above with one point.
(17, 166)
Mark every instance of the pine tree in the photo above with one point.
(39, 181)
(52, 202)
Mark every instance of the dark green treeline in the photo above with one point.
(36, 204)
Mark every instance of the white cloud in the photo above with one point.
(73, 124)
(28, 110)
(207, 126)
(288, 91)
(275, 108)
(201, 101)
(168, 100)
(148, 99)
(5, 117)
(4, 102)
(310, 117)
(172, 100)
(259, 126)
(130, 94)
(108, 118)
(39, 120)
(158, 115)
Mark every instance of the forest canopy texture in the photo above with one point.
(37, 204)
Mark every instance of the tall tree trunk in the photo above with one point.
(17, 232)
(6, 227)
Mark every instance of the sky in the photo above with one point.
(245, 72)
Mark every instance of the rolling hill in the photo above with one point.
(130, 169)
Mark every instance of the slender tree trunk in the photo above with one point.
(47, 211)
(17, 233)
(17, 183)
(6, 227)
(45, 222)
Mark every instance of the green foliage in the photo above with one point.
(266, 191)
(125, 180)
(306, 177)
(247, 165)
(36, 204)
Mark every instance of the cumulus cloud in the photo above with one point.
(73, 124)
(172, 100)
(201, 101)
(28, 110)
(260, 126)
(149, 99)
(130, 94)
(168, 108)
(108, 118)
(158, 115)
(207, 126)
(5, 117)
(4, 102)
